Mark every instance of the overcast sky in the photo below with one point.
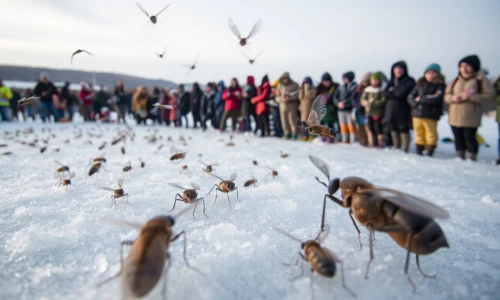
(302, 37)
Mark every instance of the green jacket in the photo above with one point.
(5, 96)
(376, 107)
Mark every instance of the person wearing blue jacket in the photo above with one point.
(219, 103)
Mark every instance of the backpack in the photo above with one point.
(479, 86)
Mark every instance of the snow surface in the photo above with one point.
(54, 244)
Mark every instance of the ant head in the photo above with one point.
(66, 168)
(230, 185)
(104, 160)
(333, 186)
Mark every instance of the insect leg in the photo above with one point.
(113, 200)
(321, 182)
(422, 272)
(127, 199)
(175, 201)
(359, 232)
(227, 194)
(203, 199)
(301, 269)
(342, 278)
(212, 189)
(311, 277)
(164, 288)
(195, 206)
(217, 189)
(237, 196)
(121, 264)
(371, 255)
(184, 253)
(407, 263)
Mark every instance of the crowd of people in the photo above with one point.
(379, 111)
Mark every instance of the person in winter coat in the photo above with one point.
(232, 104)
(374, 102)
(120, 101)
(183, 104)
(363, 132)
(101, 100)
(307, 94)
(465, 95)
(14, 109)
(219, 103)
(426, 101)
(208, 106)
(249, 92)
(497, 92)
(45, 90)
(343, 101)
(5, 96)
(29, 110)
(397, 115)
(275, 110)
(173, 95)
(59, 103)
(165, 100)
(325, 91)
(259, 102)
(140, 104)
(196, 95)
(86, 96)
(69, 99)
(288, 98)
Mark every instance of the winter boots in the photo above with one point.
(405, 141)
(430, 150)
(396, 142)
(420, 149)
(472, 156)
(461, 154)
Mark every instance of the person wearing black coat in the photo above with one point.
(46, 90)
(183, 104)
(397, 114)
(249, 92)
(426, 101)
(69, 98)
(207, 104)
(342, 98)
(121, 102)
(196, 95)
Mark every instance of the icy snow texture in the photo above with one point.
(53, 244)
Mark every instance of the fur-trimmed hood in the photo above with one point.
(439, 80)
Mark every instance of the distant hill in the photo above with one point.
(21, 73)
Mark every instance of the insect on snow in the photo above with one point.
(323, 261)
(250, 182)
(43, 149)
(178, 154)
(145, 263)
(65, 181)
(188, 196)
(225, 186)
(244, 40)
(143, 163)
(152, 19)
(122, 150)
(62, 168)
(208, 168)
(118, 193)
(127, 168)
(102, 146)
(318, 111)
(408, 220)
(284, 155)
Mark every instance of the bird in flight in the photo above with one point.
(78, 52)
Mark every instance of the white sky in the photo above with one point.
(303, 37)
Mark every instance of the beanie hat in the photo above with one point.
(275, 83)
(377, 76)
(44, 74)
(434, 67)
(349, 75)
(308, 80)
(366, 77)
(327, 77)
(473, 61)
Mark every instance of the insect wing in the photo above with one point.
(142, 9)
(234, 29)
(413, 204)
(318, 111)
(120, 183)
(71, 175)
(322, 235)
(321, 165)
(106, 188)
(176, 185)
(283, 232)
(255, 29)
(195, 186)
(232, 177)
(162, 10)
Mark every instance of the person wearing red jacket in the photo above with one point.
(263, 93)
(86, 96)
(232, 104)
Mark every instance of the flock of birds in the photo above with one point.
(243, 40)
(407, 219)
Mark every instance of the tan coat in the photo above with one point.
(468, 113)
(288, 109)
(306, 98)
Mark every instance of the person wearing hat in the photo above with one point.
(45, 90)
(5, 96)
(465, 95)
(86, 96)
(343, 101)
(287, 96)
(307, 95)
(275, 111)
(326, 90)
(363, 132)
(426, 101)
(374, 102)
(261, 109)
(397, 114)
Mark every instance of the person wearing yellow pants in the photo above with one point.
(426, 101)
